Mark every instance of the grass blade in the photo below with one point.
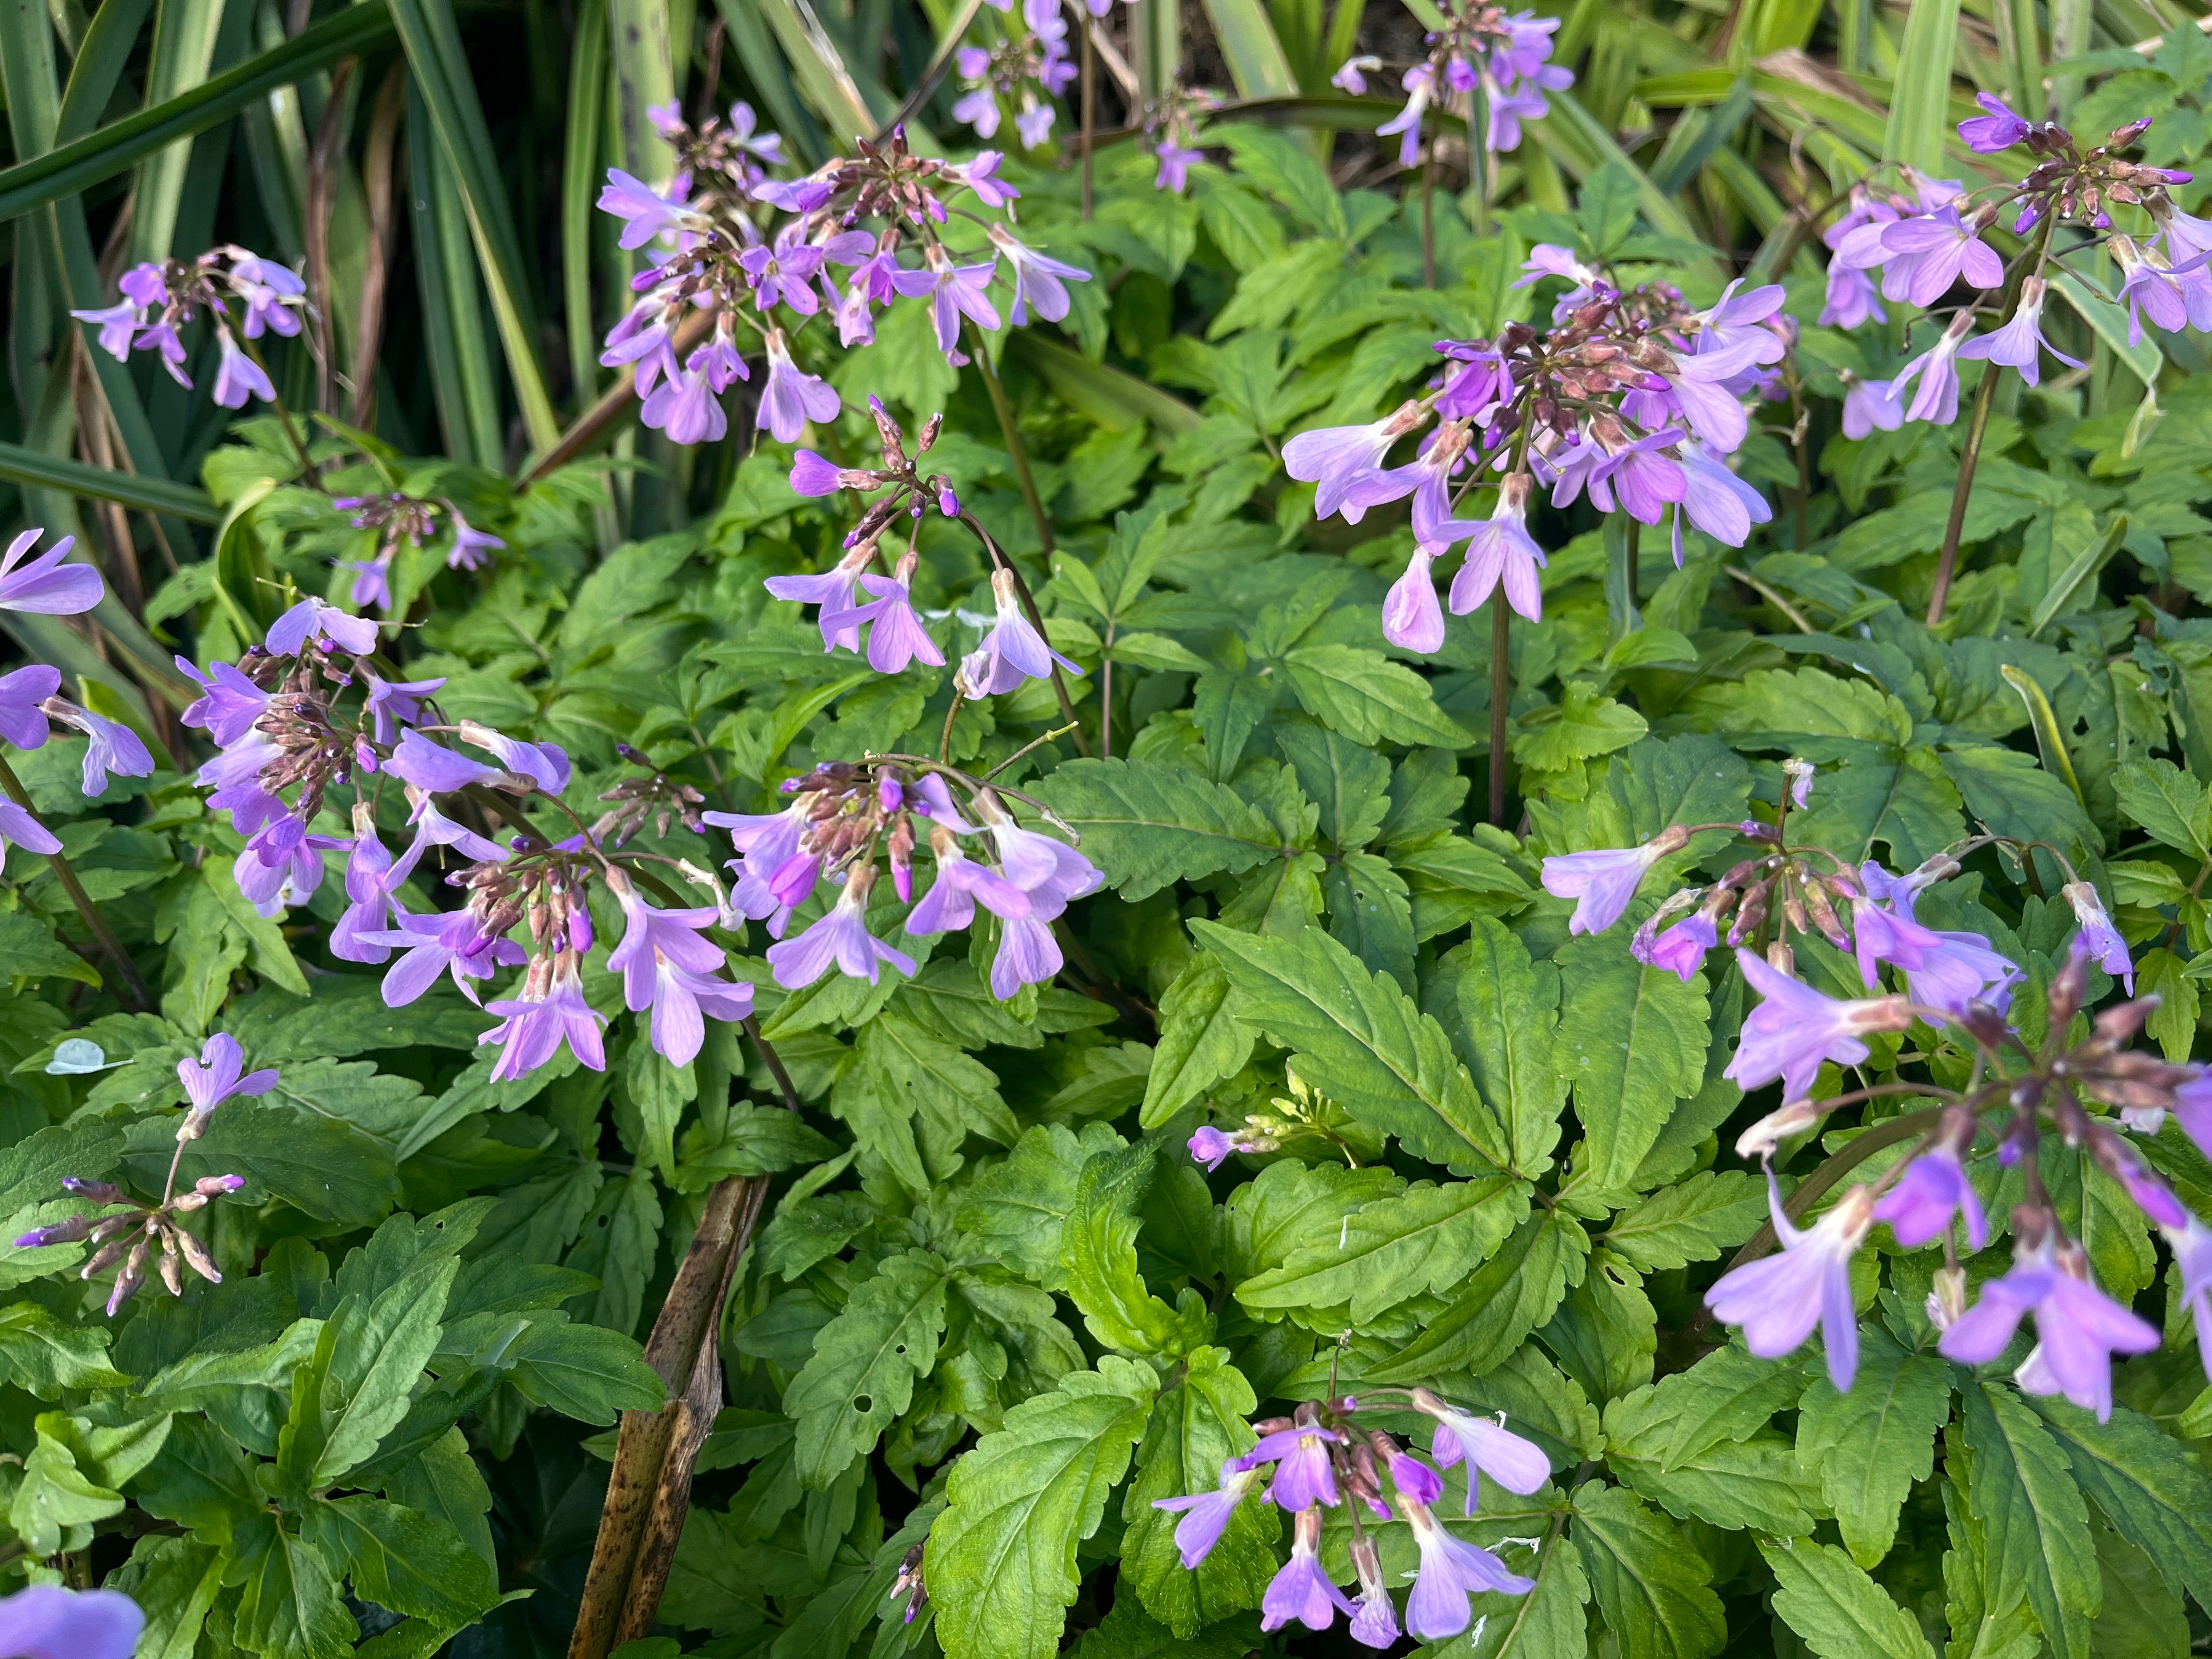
(579, 176)
(1099, 391)
(644, 75)
(461, 383)
(820, 69)
(100, 57)
(1920, 99)
(184, 49)
(756, 51)
(1256, 61)
(34, 469)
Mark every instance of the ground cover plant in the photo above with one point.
(1268, 829)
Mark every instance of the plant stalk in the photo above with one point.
(126, 970)
(1036, 621)
(1015, 451)
(1501, 694)
(1090, 109)
(1947, 565)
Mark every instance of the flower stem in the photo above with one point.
(126, 971)
(1501, 692)
(1015, 453)
(1429, 214)
(1090, 110)
(1947, 565)
(1036, 621)
(284, 417)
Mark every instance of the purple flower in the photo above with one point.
(1374, 1619)
(981, 176)
(215, 1077)
(1602, 882)
(111, 746)
(1351, 75)
(1028, 954)
(832, 591)
(642, 338)
(550, 1011)
(432, 767)
(961, 881)
(1680, 950)
(766, 843)
(1796, 1028)
(685, 406)
(896, 635)
(117, 325)
(453, 943)
(953, 292)
(45, 1621)
(2020, 342)
(1205, 1515)
(22, 722)
(2099, 938)
(46, 584)
(1514, 1463)
(1012, 651)
(372, 580)
(280, 868)
(1868, 405)
(2192, 1253)
(840, 936)
(326, 625)
(1927, 252)
(2149, 288)
(546, 764)
(1549, 259)
(1034, 125)
(392, 704)
(1737, 323)
(1778, 1299)
(784, 271)
(1210, 1147)
(1411, 1476)
(1985, 134)
(1718, 502)
(1175, 164)
(1301, 1590)
(646, 212)
(472, 548)
(1038, 280)
(18, 829)
(237, 377)
(1412, 616)
(668, 967)
(2079, 1328)
(371, 878)
(792, 398)
(1451, 1571)
(1051, 873)
(815, 474)
(434, 829)
(1502, 552)
(1302, 1474)
(1850, 300)
(1933, 1187)
(1427, 479)
(1334, 456)
(1406, 123)
(1702, 385)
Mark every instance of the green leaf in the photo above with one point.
(1098, 1249)
(290, 1607)
(1742, 1474)
(621, 1243)
(174, 1581)
(1583, 726)
(1001, 1558)
(583, 1371)
(1868, 1446)
(402, 1560)
(1510, 1295)
(1920, 97)
(358, 1383)
(324, 1166)
(1508, 1011)
(1361, 1040)
(1366, 696)
(1711, 1211)
(1015, 1212)
(28, 950)
(2032, 1519)
(1841, 1612)
(1198, 1423)
(1427, 1239)
(55, 1502)
(1351, 784)
(43, 1355)
(1148, 826)
(865, 1362)
(2146, 1485)
(1201, 1041)
(1651, 1584)
(1636, 1046)
(1549, 1620)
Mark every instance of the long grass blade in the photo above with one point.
(824, 79)
(1920, 98)
(99, 65)
(579, 175)
(756, 49)
(31, 468)
(1581, 143)
(183, 51)
(1256, 60)
(461, 382)
(645, 77)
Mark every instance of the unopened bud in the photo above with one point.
(96, 1192)
(1763, 1138)
(1946, 1301)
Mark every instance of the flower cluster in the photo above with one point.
(155, 1230)
(159, 299)
(1628, 395)
(728, 267)
(1323, 1456)
(1932, 236)
(2019, 1097)
(845, 815)
(1022, 74)
(1504, 55)
(1170, 123)
(397, 520)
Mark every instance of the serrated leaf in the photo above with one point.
(1367, 698)
(1510, 1295)
(2146, 1484)
(402, 1560)
(865, 1362)
(1001, 1558)
(1201, 1041)
(1868, 1446)
(1508, 1009)
(1635, 1047)
(1016, 1211)
(1429, 1238)
(1650, 1582)
(291, 1607)
(2166, 804)
(1711, 1211)
(1198, 1423)
(1823, 1595)
(1148, 826)
(1584, 727)
(583, 1371)
(43, 1355)
(1361, 1040)
(2035, 1529)
(1098, 1250)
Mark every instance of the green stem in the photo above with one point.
(1816, 1185)
(1015, 453)
(1090, 107)
(1501, 694)
(284, 417)
(126, 971)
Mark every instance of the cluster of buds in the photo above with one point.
(397, 520)
(1323, 1456)
(1931, 237)
(1171, 123)
(159, 299)
(845, 816)
(1023, 72)
(1506, 55)
(1629, 396)
(727, 268)
(1954, 982)
(155, 1231)
(656, 796)
(725, 162)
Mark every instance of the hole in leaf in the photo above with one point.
(863, 1404)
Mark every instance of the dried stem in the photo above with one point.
(126, 970)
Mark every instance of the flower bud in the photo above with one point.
(1763, 1138)
(1946, 1301)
